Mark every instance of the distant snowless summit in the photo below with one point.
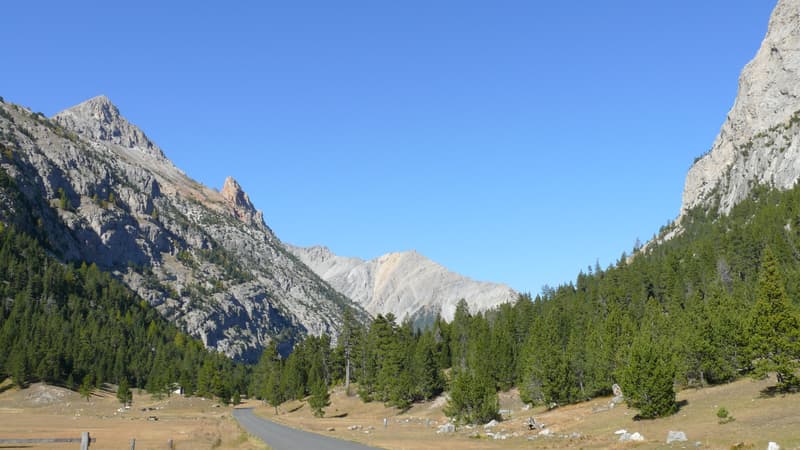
(406, 284)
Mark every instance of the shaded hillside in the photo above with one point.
(96, 189)
(77, 326)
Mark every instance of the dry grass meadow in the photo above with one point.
(193, 423)
(759, 419)
(42, 411)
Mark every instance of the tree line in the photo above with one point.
(714, 303)
(79, 327)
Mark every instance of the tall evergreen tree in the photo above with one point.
(648, 379)
(320, 398)
(347, 341)
(473, 398)
(124, 394)
(427, 376)
(774, 328)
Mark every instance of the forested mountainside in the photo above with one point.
(80, 328)
(97, 190)
(714, 303)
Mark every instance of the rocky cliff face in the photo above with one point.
(405, 284)
(758, 143)
(98, 190)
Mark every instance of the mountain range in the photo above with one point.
(98, 190)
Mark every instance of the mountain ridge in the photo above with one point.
(104, 193)
(406, 284)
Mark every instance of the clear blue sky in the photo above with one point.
(511, 141)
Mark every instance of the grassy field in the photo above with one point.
(758, 418)
(42, 411)
(192, 423)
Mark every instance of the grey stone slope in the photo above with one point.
(406, 284)
(205, 259)
(758, 143)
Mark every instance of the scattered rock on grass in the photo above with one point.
(676, 436)
(446, 428)
(628, 437)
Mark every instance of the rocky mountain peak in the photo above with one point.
(99, 119)
(406, 284)
(240, 203)
(104, 194)
(756, 144)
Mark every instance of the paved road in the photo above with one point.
(280, 437)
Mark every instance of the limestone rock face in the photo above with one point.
(406, 284)
(100, 191)
(758, 143)
(98, 119)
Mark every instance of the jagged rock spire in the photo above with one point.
(240, 203)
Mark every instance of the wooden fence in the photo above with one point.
(85, 440)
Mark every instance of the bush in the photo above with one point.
(724, 415)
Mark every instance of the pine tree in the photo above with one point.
(18, 368)
(293, 377)
(774, 328)
(459, 335)
(124, 394)
(63, 200)
(473, 398)
(347, 339)
(268, 377)
(648, 379)
(87, 386)
(503, 355)
(427, 376)
(320, 398)
(388, 355)
(273, 394)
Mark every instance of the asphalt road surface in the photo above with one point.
(280, 437)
